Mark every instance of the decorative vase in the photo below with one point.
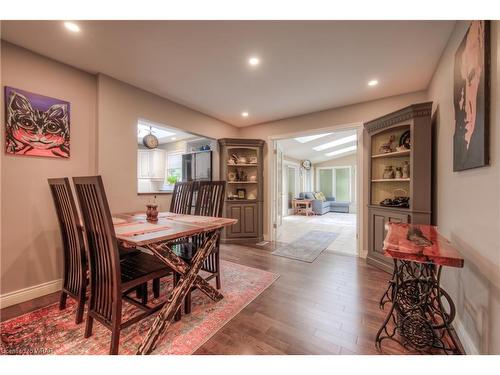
(406, 169)
(388, 172)
(231, 176)
(152, 212)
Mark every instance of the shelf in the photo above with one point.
(392, 180)
(392, 154)
(242, 182)
(243, 165)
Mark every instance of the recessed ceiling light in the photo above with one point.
(373, 82)
(173, 138)
(337, 142)
(244, 114)
(254, 61)
(71, 26)
(310, 138)
(341, 151)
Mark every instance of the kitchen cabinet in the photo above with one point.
(151, 164)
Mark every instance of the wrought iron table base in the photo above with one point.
(417, 318)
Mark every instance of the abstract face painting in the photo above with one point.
(36, 125)
(471, 99)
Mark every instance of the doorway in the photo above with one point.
(334, 160)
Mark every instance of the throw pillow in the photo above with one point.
(322, 196)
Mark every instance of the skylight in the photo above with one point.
(143, 129)
(336, 142)
(342, 151)
(310, 138)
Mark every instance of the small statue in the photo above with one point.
(406, 169)
(399, 172)
(387, 147)
(388, 172)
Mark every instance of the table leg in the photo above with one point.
(188, 277)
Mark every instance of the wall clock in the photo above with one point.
(150, 141)
(306, 164)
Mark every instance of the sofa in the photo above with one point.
(321, 207)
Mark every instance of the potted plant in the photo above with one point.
(172, 180)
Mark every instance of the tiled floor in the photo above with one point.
(295, 226)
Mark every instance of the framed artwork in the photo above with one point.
(36, 125)
(471, 96)
(242, 193)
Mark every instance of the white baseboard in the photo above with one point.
(27, 294)
(465, 338)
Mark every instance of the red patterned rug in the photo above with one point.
(51, 331)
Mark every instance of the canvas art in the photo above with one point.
(471, 99)
(36, 125)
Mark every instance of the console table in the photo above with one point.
(417, 318)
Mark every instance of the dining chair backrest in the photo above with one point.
(104, 263)
(71, 233)
(182, 198)
(210, 199)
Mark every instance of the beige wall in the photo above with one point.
(119, 107)
(468, 208)
(349, 160)
(30, 240)
(337, 118)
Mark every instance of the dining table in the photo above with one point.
(134, 230)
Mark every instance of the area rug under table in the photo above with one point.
(51, 331)
(308, 247)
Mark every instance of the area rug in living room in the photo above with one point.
(308, 247)
(51, 331)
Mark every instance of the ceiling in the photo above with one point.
(305, 151)
(164, 134)
(306, 66)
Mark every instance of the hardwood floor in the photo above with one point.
(329, 306)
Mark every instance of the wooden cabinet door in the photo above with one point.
(234, 212)
(143, 164)
(376, 235)
(249, 219)
(157, 164)
(247, 216)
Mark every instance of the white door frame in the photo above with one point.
(361, 200)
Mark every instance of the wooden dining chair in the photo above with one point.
(111, 280)
(209, 202)
(74, 258)
(182, 198)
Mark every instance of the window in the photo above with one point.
(335, 182)
(173, 171)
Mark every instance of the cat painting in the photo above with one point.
(36, 125)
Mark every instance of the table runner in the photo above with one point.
(139, 227)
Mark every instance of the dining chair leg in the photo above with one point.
(62, 300)
(138, 292)
(187, 303)
(156, 288)
(88, 326)
(115, 341)
(80, 309)
(217, 268)
(144, 293)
